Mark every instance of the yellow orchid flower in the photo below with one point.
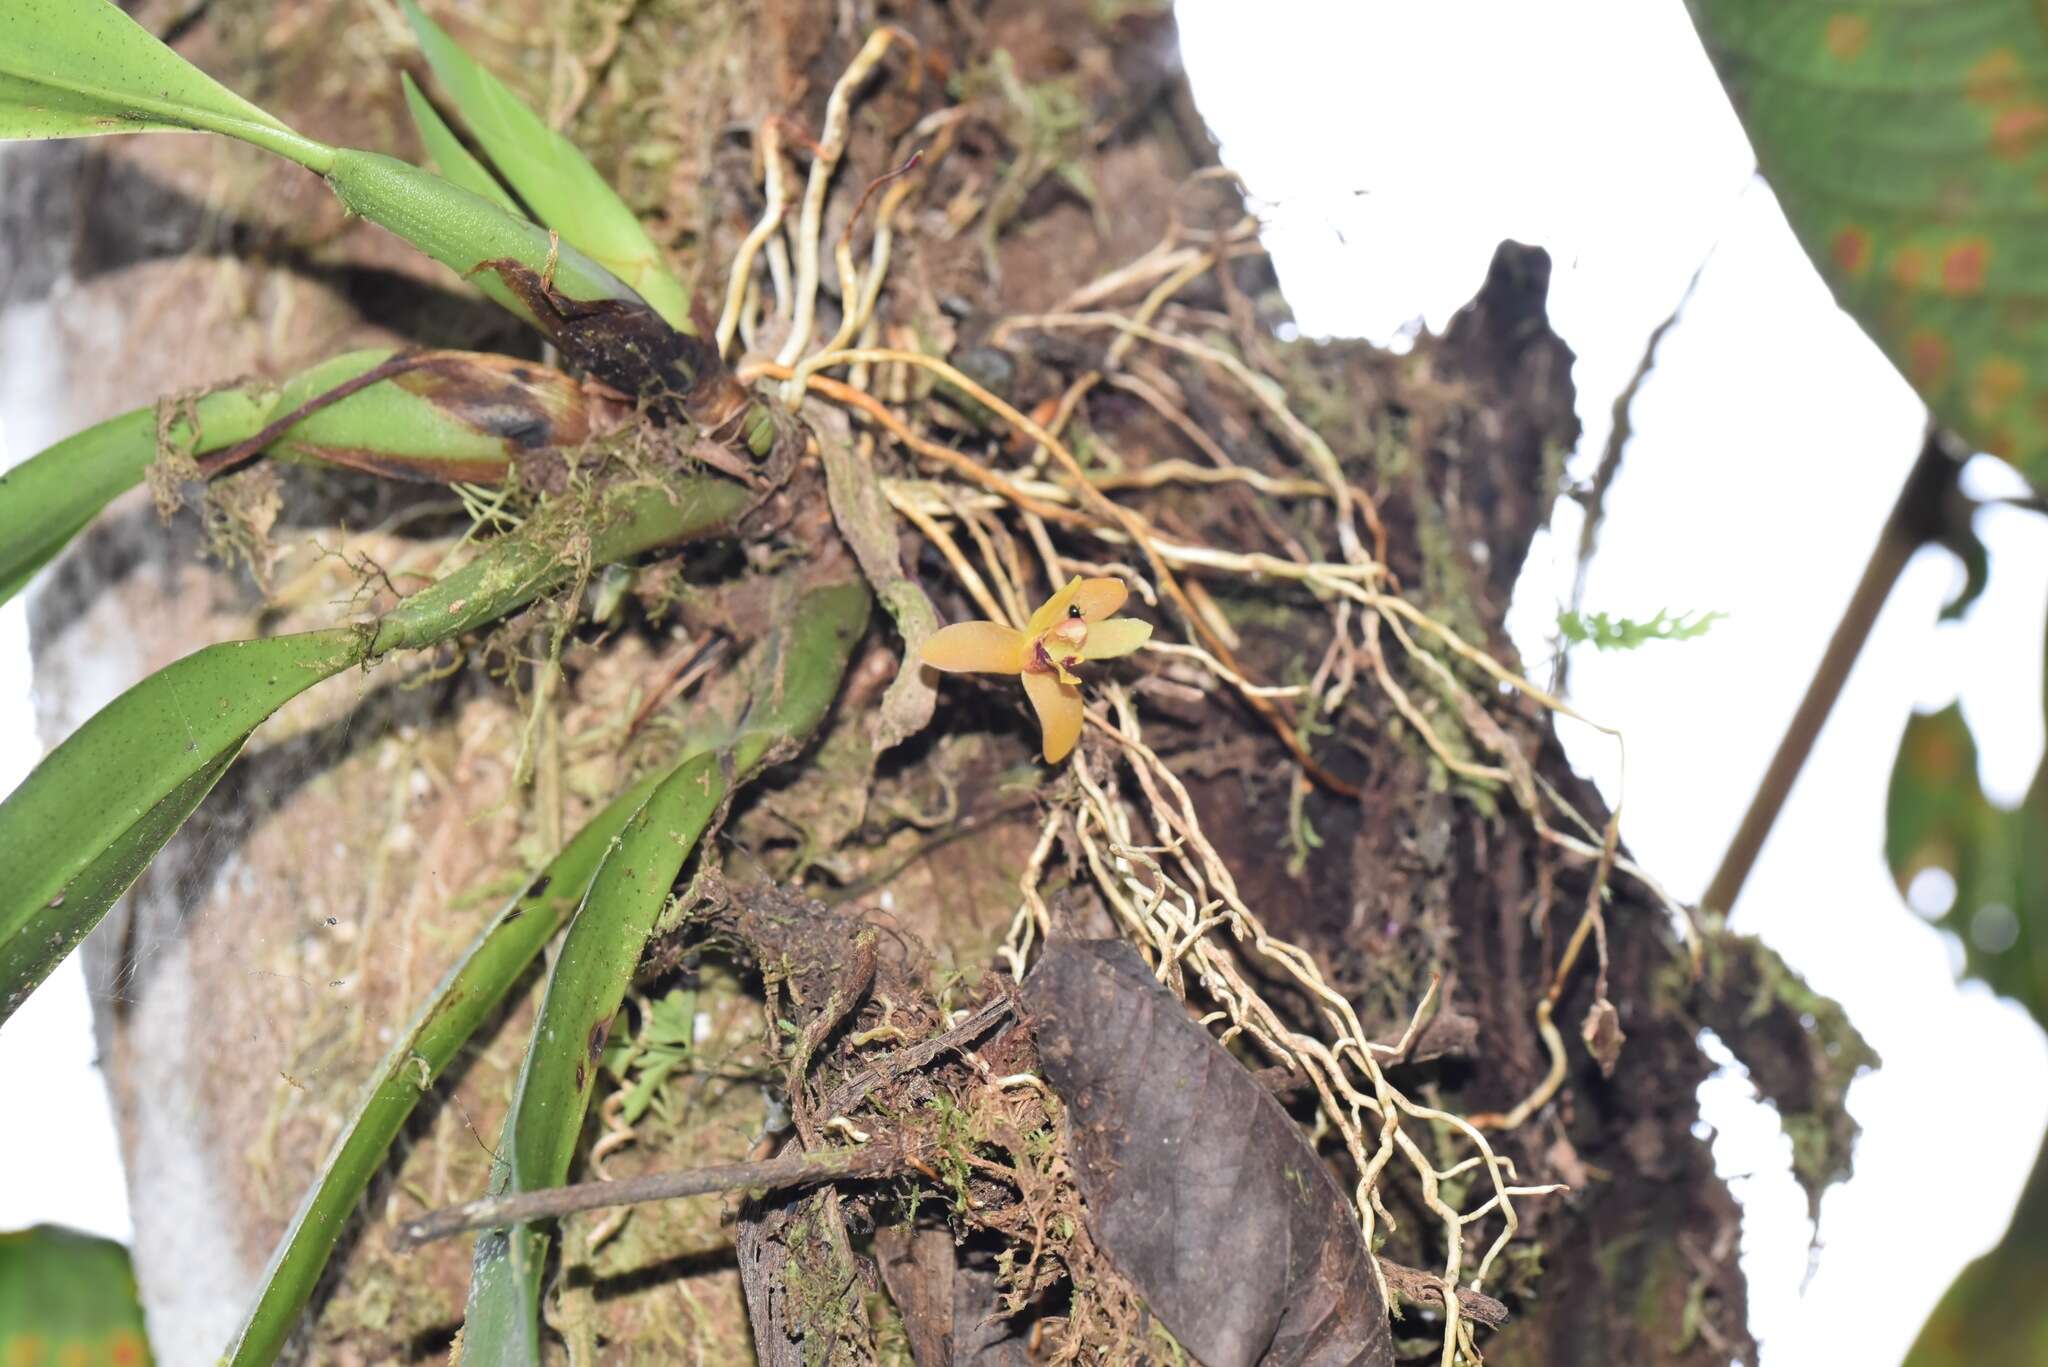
(1077, 623)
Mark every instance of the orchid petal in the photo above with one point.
(1099, 599)
(977, 648)
(1053, 610)
(1096, 599)
(1059, 713)
(1118, 636)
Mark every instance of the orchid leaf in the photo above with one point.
(801, 673)
(89, 818)
(455, 161)
(80, 68)
(554, 178)
(465, 998)
(54, 495)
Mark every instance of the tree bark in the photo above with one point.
(251, 980)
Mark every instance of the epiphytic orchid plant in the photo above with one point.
(1077, 623)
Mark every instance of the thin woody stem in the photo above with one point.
(790, 1170)
(1916, 519)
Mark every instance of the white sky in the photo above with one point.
(1395, 145)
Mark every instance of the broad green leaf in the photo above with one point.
(563, 189)
(1937, 817)
(89, 818)
(455, 162)
(76, 68)
(68, 1298)
(1908, 145)
(803, 666)
(466, 997)
(54, 495)
(99, 806)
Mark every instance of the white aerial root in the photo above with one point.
(831, 146)
(1143, 847)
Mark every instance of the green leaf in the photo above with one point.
(464, 230)
(584, 992)
(456, 162)
(466, 997)
(72, 68)
(76, 68)
(54, 495)
(595, 967)
(67, 1297)
(1937, 817)
(562, 187)
(89, 817)
(1908, 144)
(457, 415)
(96, 810)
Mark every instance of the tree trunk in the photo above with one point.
(252, 979)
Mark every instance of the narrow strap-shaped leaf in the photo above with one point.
(453, 415)
(76, 68)
(97, 803)
(551, 175)
(584, 992)
(89, 818)
(466, 997)
(464, 230)
(72, 68)
(603, 948)
(455, 162)
(54, 929)
(54, 495)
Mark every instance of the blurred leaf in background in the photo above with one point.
(1908, 146)
(1996, 861)
(68, 1300)
(1938, 818)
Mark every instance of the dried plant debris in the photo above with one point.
(1198, 1186)
(947, 1293)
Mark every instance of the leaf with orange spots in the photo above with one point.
(1908, 145)
(67, 1297)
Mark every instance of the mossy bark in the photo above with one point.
(243, 990)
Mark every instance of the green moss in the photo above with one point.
(1801, 1050)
